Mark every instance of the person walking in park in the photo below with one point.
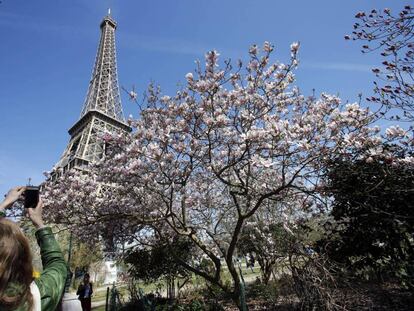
(19, 290)
(85, 292)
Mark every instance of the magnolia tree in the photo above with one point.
(200, 164)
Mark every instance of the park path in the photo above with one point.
(248, 275)
(97, 304)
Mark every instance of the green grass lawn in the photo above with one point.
(101, 295)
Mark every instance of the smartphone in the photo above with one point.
(31, 197)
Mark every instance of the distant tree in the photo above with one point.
(373, 205)
(268, 242)
(158, 262)
(83, 256)
(393, 36)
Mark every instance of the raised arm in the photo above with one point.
(52, 280)
(11, 197)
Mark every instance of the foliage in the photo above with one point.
(115, 302)
(315, 282)
(158, 262)
(373, 207)
(392, 35)
(83, 256)
(268, 292)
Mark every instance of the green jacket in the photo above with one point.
(52, 280)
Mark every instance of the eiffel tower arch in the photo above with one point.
(102, 110)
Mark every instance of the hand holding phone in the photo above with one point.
(31, 197)
(35, 215)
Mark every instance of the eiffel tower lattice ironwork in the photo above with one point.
(102, 111)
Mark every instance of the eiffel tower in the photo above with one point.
(101, 113)
(102, 110)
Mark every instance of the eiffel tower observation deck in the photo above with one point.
(102, 110)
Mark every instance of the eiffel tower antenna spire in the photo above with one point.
(102, 110)
(103, 93)
(109, 11)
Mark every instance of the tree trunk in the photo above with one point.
(266, 273)
(239, 293)
(170, 287)
(239, 297)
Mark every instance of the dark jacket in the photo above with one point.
(52, 280)
(81, 290)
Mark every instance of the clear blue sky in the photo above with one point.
(48, 48)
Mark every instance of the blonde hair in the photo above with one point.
(16, 268)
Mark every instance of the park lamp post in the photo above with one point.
(69, 274)
(70, 302)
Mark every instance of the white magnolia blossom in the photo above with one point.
(395, 132)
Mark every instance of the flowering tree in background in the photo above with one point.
(392, 35)
(266, 242)
(201, 164)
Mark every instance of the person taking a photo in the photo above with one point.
(19, 290)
